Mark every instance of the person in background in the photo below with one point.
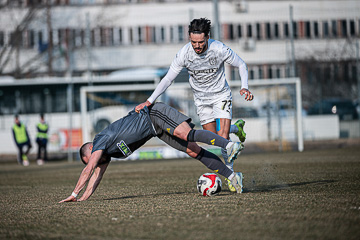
(22, 139)
(42, 139)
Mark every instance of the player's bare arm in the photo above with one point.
(248, 95)
(85, 175)
(94, 181)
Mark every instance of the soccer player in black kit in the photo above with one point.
(121, 138)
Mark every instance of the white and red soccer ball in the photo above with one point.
(209, 184)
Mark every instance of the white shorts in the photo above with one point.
(213, 106)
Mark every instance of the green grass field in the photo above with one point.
(309, 195)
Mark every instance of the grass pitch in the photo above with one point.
(309, 195)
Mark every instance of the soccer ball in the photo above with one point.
(209, 184)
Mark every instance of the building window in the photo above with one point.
(102, 37)
(154, 35)
(181, 33)
(251, 74)
(40, 37)
(278, 73)
(316, 29)
(162, 34)
(231, 32)
(286, 30)
(110, 36)
(131, 35)
(171, 34)
(249, 30)
(2, 38)
(258, 31)
(268, 31)
(307, 29)
(343, 28)
(276, 30)
(261, 74)
(295, 28)
(92, 39)
(239, 33)
(32, 38)
(325, 29)
(139, 31)
(121, 39)
(270, 73)
(334, 32)
(352, 28)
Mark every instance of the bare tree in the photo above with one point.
(329, 72)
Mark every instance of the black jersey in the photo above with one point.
(121, 138)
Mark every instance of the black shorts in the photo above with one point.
(165, 119)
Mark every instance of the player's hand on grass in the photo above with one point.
(248, 95)
(71, 198)
(141, 106)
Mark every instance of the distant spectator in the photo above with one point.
(42, 139)
(22, 139)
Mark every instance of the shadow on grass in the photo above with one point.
(148, 195)
(225, 192)
(278, 187)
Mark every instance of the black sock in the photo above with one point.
(207, 137)
(213, 162)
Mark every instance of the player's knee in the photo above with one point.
(191, 136)
(193, 150)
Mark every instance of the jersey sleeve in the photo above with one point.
(179, 61)
(99, 142)
(163, 85)
(230, 57)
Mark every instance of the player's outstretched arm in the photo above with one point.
(160, 88)
(85, 175)
(94, 181)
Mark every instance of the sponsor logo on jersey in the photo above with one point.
(212, 141)
(211, 70)
(124, 148)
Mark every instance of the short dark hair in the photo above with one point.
(201, 25)
(83, 150)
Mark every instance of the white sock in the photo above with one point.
(225, 156)
(231, 176)
(229, 145)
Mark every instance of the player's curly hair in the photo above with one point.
(201, 25)
(82, 151)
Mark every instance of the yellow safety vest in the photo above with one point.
(42, 130)
(20, 133)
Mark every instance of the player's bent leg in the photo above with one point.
(209, 159)
(184, 132)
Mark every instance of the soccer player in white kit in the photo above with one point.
(204, 59)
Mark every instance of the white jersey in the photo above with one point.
(206, 70)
